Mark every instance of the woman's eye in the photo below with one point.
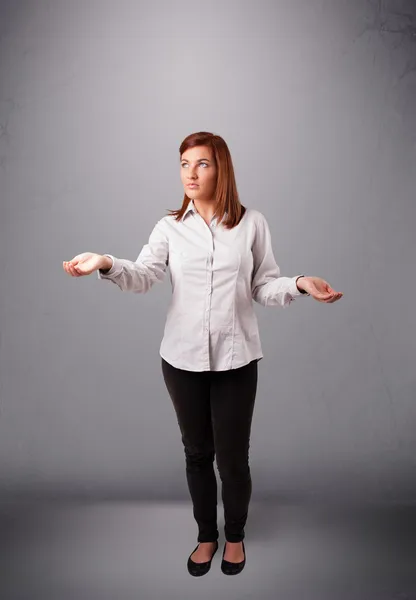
(202, 163)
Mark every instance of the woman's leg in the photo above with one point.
(233, 394)
(190, 394)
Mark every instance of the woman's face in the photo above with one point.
(198, 166)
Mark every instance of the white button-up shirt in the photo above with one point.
(215, 274)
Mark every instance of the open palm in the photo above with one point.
(320, 289)
(83, 264)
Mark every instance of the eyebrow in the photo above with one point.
(199, 159)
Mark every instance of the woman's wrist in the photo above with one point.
(106, 264)
(301, 288)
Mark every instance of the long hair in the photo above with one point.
(225, 196)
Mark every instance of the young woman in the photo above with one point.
(221, 259)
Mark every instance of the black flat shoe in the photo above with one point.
(232, 568)
(198, 569)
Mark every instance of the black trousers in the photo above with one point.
(214, 411)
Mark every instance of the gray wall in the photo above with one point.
(317, 101)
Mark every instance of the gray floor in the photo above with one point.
(126, 550)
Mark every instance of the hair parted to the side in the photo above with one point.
(226, 196)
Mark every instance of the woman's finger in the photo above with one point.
(73, 271)
(335, 297)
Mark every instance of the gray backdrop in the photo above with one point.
(316, 100)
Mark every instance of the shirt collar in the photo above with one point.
(191, 208)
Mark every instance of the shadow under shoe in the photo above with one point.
(198, 569)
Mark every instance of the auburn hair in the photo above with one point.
(226, 197)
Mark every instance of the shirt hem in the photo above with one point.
(175, 364)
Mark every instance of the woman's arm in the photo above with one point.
(268, 287)
(148, 269)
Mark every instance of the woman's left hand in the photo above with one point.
(319, 289)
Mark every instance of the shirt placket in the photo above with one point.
(208, 297)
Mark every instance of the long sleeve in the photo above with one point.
(268, 287)
(149, 267)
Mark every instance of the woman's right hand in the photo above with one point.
(84, 264)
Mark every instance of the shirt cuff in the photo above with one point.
(294, 291)
(112, 271)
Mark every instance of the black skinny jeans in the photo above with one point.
(214, 411)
